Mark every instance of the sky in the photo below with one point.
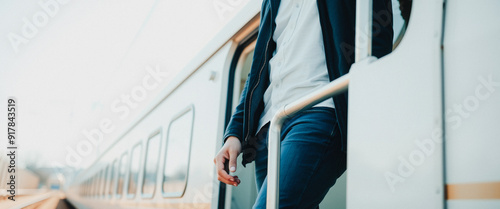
(68, 63)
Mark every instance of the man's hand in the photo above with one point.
(229, 151)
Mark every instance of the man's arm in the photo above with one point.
(235, 126)
(232, 143)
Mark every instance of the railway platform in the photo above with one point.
(45, 200)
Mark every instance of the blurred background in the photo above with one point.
(81, 59)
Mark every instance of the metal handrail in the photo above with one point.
(363, 48)
(335, 87)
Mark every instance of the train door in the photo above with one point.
(423, 121)
(243, 196)
(395, 141)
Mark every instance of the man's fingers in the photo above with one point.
(222, 174)
(219, 162)
(227, 179)
(223, 180)
(220, 169)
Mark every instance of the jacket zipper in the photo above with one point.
(258, 81)
(260, 75)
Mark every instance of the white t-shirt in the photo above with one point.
(298, 65)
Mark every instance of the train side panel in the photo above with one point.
(472, 101)
(200, 96)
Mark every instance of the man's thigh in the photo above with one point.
(311, 159)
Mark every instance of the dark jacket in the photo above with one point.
(337, 19)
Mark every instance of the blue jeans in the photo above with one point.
(311, 159)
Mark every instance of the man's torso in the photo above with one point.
(298, 65)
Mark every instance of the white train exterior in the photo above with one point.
(423, 123)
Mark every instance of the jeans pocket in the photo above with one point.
(326, 112)
(335, 130)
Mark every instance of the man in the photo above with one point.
(302, 45)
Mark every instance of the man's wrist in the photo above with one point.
(232, 138)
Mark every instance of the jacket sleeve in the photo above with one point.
(235, 126)
(237, 123)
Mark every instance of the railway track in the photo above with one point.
(46, 200)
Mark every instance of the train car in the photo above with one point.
(423, 122)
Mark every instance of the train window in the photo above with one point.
(105, 181)
(121, 175)
(247, 56)
(112, 173)
(96, 188)
(135, 164)
(87, 183)
(90, 187)
(98, 183)
(87, 187)
(93, 186)
(401, 17)
(177, 155)
(101, 183)
(151, 165)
